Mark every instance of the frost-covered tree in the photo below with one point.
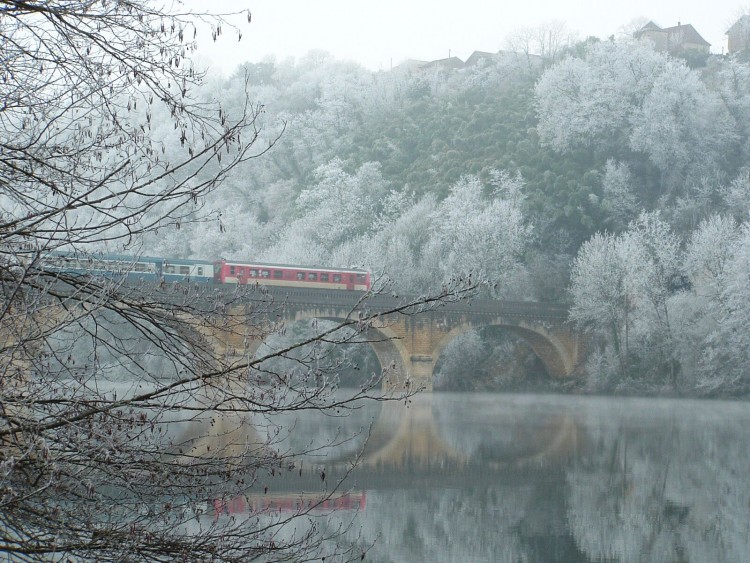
(658, 250)
(546, 40)
(737, 296)
(480, 235)
(591, 100)
(684, 128)
(618, 197)
(714, 336)
(734, 89)
(121, 418)
(736, 196)
(679, 131)
(707, 255)
(666, 311)
(699, 313)
(621, 285)
(400, 248)
(339, 207)
(604, 284)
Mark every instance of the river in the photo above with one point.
(538, 478)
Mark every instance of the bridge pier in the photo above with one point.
(420, 369)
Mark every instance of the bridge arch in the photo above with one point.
(388, 346)
(238, 346)
(557, 350)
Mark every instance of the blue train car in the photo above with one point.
(175, 269)
(131, 267)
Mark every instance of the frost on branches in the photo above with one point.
(100, 380)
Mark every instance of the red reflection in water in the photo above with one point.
(286, 503)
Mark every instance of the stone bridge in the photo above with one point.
(409, 343)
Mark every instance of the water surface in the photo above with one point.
(493, 477)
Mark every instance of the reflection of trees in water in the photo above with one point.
(673, 488)
(482, 523)
(477, 524)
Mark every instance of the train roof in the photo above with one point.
(292, 266)
(186, 261)
(155, 259)
(127, 257)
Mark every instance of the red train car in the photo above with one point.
(226, 271)
(287, 503)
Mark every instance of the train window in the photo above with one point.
(265, 273)
(278, 274)
(361, 278)
(336, 277)
(253, 273)
(169, 269)
(231, 270)
(300, 275)
(324, 277)
(200, 270)
(312, 276)
(184, 270)
(139, 267)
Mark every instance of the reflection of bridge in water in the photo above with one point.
(409, 436)
(409, 445)
(410, 343)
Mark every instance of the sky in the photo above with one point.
(382, 34)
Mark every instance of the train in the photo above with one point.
(218, 271)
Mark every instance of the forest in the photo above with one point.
(609, 177)
(613, 178)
